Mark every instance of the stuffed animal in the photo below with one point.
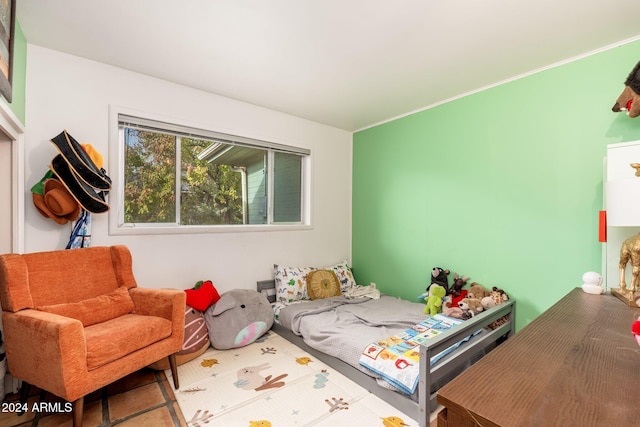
(456, 291)
(488, 302)
(440, 277)
(196, 335)
(478, 291)
(496, 297)
(471, 306)
(458, 283)
(451, 308)
(453, 311)
(239, 318)
(629, 99)
(195, 342)
(499, 295)
(592, 283)
(434, 300)
(452, 301)
(202, 295)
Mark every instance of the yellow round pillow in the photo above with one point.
(323, 284)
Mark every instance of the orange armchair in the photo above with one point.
(75, 320)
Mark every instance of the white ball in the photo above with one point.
(592, 278)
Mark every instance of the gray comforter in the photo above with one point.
(343, 327)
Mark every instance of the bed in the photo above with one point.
(362, 320)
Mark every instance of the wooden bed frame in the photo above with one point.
(432, 377)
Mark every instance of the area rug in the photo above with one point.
(274, 383)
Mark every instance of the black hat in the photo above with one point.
(87, 183)
(80, 162)
(90, 199)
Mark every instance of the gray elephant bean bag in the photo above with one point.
(240, 317)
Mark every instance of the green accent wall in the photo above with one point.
(19, 75)
(503, 185)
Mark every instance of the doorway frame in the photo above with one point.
(14, 130)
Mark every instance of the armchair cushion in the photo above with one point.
(119, 337)
(95, 310)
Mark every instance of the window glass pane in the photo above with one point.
(211, 191)
(238, 188)
(149, 177)
(181, 176)
(287, 187)
(257, 191)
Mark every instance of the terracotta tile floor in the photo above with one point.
(144, 398)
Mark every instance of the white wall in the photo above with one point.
(68, 92)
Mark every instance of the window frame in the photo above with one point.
(117, 226)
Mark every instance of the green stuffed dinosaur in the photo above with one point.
(434, 300)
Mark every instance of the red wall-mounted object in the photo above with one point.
(602, 226)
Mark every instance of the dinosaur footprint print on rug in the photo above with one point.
(199, 418)
(250, 379)
(337, 404)
(321, 379)
(208, 363)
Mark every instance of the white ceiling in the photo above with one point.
(345, 63)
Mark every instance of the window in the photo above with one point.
(179, 177)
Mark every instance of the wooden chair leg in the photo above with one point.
(78, 408)
(174, 370)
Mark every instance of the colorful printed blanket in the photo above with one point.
(397, 358)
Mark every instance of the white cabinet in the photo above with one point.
(622, 202)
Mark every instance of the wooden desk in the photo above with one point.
(577, 364)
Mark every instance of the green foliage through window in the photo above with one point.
(186, 180)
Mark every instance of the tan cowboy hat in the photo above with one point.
(56, 203)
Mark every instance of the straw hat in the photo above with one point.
(94, 154)
(56, 202)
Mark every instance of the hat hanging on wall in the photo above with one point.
(56, 202)
(629, 99)
(90, 199)
(76, 168)
(80, 162)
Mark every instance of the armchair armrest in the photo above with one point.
(167, 303)
(158, 302)
(48, 341)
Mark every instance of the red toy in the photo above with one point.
(635, 329)
(462, 295)
(202, 295)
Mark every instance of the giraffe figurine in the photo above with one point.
(630, 251)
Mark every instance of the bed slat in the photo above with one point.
(268, 289)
